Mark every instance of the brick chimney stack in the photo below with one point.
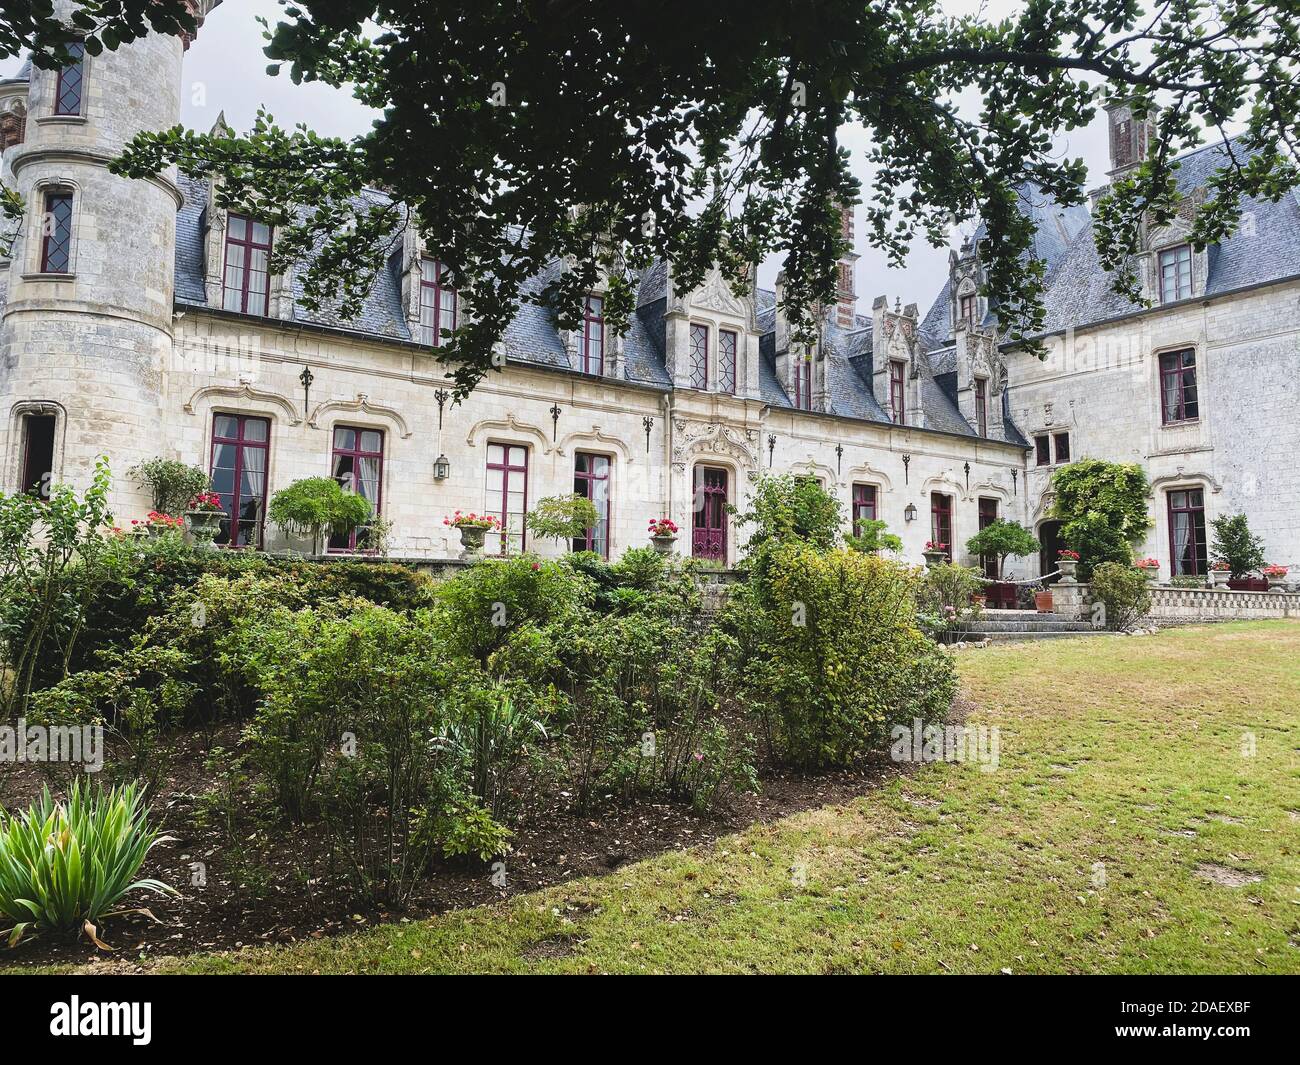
(846, 296)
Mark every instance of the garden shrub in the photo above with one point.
(787, 508)
(1002, 540)
(317, 506)
(171, 483)
(829, 655)
(1236, 545)
(1123, 591)
(870, 535)
(1102, 507)
(560, 518)
(943, 596)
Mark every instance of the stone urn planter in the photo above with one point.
(1276, 578)
(1068, 568)
(664, 543)
(935, 558)
(204, 526)
(471, 540)
(1219, 578)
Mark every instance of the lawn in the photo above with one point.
(1136, 775)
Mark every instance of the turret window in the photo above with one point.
(38, 455)
(56, 246)
(970, 310)
(437, 303)
(72, 79)
(247, 272)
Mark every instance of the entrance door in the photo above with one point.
(709, 531)
(1049, 538)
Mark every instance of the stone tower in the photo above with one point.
(86, 330)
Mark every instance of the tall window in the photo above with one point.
(803, 383)
(897, 369)
(1043, 450)
(727, 360)
(248, 250)
(969, 310)
(437, 302)
(941, 521)
(38, 455)
(988, 515)
(1187, 532)
(1061, 441)
(239, 451)
(1176, 274)
(68, 90)
(591, 481)
(593, 335)
(507, 492)
(709, 523)
(56, 247)
(358, 465)
(1178, 387)
(982, 406)
(699, 363)
(864, 504)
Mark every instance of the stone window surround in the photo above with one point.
(17, 415)
(1051, 432)
(34, 250)
(279, 303)
(1197, 351)
(45, 98)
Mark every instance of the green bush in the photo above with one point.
(1124, 592)
(870, 536)
(562, 517)
(171, 484)
(829, 656)
(944, 596)
(64, 865)
(1236, 545)
(316, 506)
(1102, 507)
(787, 509)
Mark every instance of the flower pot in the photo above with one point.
(1067, 566)
(1149, 574)
(1043, 602)
(204, 526)
(978, 601)
(935, 558)
(471, 540)
(663, 544)
(1277, 584)
(1219, 578)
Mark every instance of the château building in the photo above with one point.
(139, 320)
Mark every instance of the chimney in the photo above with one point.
(846, 310)
(1130, 136)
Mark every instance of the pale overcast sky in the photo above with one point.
(225, 71)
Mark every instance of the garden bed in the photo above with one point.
(259, 895)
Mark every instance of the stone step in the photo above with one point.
(1048, 624)
(1049, 634)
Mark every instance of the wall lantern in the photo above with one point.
(909, 513)
(441, 468)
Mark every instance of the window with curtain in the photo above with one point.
(982, 406)
(897, 370)
(1178, 401)
(246, 278)
(357, 463)
(239, 453)
(941, 521)
(593, 336)
(591, 481)
(1187, 546)
(437, 303)
(1176, 274)
(864, 504)
(803, 383)
(507, 493)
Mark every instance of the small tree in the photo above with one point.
(1003, 540)
(315, 505)
(1236, 545)
(172, 484)
(872, 538)
(562, 518)
(1102, 507)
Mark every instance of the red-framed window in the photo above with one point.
(357, 463)
(1178, 401)
(240, 447)
(803, 383)
(970, 310)
(246, 277)
(897, 401)
(1061, 441)
(727, 344)
(68, 90)
(709, 522)
(1176, 273)
(699, 356)
(56, 246)
(591, 481)
(593, 335)
(864, 504)
(38, 455)
(507, 492)
(1043, 450)
(988, 515)
(437, 303)
(982, 406)
(1187, 548)
(941, 521)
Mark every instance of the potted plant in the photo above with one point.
(316, 505)
(473, 530)
(1148, 567)
(1276, 575)
(1236, 547)
(663, 534)
(1220, 574)
(1067, 562)
(171, 483)
(935, 553)
(204, 514)
(159, 524)
(1043, 600)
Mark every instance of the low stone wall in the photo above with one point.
(1190, 604)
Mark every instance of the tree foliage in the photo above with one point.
(563, 517)
(316, 505)
(581, 141)
(1003, 539)
(1236, 545)
(1102, 507)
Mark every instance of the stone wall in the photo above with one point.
(1191, 604)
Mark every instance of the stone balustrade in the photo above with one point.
(1190, 604)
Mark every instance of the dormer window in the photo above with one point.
(437, 303)
(970, 310)
(803, 383)
(246, 276)
(593, 336)
(68, 89)
(1176, 274)
(982, 406)
(699, 360)
(727, 341)
(897, 372)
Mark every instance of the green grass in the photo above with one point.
(1111, 750)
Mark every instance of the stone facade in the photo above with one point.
(131, 354)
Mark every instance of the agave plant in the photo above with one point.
(64, 864)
